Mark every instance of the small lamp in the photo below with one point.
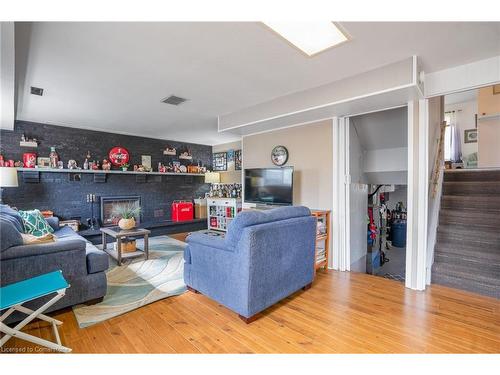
(212, 177)
(8, 178)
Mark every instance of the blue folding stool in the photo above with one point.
(13, 296)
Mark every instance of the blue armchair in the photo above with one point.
(264, 257)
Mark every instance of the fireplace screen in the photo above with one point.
(109, 206)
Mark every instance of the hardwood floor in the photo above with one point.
(341, 313)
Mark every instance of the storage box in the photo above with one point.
(73, 224)
(200, 208)
(128, 245)
(182, 211)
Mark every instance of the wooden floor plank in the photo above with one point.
(342, 313)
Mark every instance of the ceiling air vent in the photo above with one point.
(174, 100)
(36, 91)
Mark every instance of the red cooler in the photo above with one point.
(182, 210)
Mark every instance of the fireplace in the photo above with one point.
(108, 204)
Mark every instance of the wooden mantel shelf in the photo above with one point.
(51, 170)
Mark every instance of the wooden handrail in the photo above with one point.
(438, 166)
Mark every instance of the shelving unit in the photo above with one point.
(322, 238)
(52, 170)
(220, 212)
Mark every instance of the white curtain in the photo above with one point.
(452, 142)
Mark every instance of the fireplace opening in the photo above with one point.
(109, 205)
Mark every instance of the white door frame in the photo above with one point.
(418, 184)
(340, 220)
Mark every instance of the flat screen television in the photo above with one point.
(270, 186)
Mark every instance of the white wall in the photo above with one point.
(7, 75)
(386, 160)
(358, 203)
(310, 153)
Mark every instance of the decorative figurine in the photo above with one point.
(170, 151)
(54, 158)
(72, 164)
(87, 161)
(106, 165)
(29, 159)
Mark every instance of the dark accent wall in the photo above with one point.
(68, 198)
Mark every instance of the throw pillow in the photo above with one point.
(35, 223)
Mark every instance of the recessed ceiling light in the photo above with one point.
(311, 37)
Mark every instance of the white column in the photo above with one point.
(416, 237)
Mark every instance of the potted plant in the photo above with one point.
(127, 212)
(124, 167)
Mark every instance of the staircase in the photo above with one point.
(467, 251)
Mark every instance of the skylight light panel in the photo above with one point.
(311, 37)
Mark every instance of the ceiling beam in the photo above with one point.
(384, 87)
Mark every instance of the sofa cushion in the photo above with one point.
(35, 223)
(97, 260)
(7, 213)
(253, 217)
(67, 233)
(9, 235)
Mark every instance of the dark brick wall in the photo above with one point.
(68, 198)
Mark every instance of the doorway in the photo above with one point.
(378, 170)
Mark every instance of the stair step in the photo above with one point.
(473, 218)
(466, 232)
(468, 248)
(472, 175)
(474, 264)
(471, 188)
(485, 289)
(471, 202)
(466, 273)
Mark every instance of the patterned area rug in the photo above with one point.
(139, 282)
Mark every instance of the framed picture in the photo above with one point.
(237, 160)
(230, 156)
(43, 162)
(470, 136)
(146, 161)
(219, 162)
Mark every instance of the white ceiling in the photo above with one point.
(112, 76)
(381, 130)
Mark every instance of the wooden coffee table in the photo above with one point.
(119, 234)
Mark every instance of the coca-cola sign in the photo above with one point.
(119, 155)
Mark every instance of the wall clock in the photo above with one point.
(279, 155)
(119, 156)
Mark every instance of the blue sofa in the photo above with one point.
(82, 264)
(264, 257)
